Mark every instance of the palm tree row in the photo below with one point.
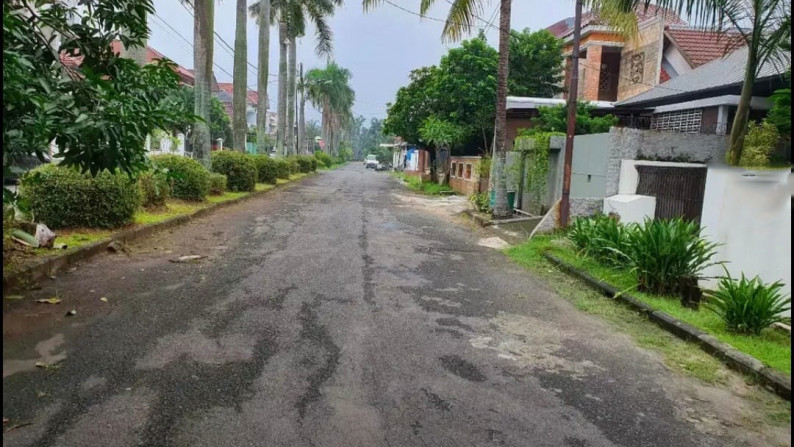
(329, 90)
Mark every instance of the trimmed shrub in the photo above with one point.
(282, 168)
(266, 168)
(239, 169)
(217, 183)
(760, 142)
(748, 306)
(294, 166)
(336, 160)
(155, 188)
(601, 237)
(481, 202)
(189, 180)
(323, 159)
(668, 255)
(313, 162)
(62, 197)
(304, 163)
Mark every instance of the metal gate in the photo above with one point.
(679, 191)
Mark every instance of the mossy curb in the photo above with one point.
(48, 266)
(732, 357)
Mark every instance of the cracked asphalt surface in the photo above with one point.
(333, 312)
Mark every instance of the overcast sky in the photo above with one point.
(379, 47)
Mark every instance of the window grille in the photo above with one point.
(685, 121)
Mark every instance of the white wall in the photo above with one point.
(751, 216)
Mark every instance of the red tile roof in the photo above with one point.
(565, 26)
(699, 46)
(664, 76)
(228, 87)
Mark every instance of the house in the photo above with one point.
(614, 68)
(705, 99)
(226, 95)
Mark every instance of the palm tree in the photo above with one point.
(762, 25)
(203, 18)
(329, 90)
(262, 15)
(240, 82)
(301, 87)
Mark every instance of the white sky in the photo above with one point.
(380, 47)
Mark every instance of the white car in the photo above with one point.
(371, 162)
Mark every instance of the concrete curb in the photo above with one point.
(32, 272)
(732, 357)
(478, 218)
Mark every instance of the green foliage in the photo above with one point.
(780, 113)
(218, 184)
(429, 188)
(155, 188)
(748, 306)
(535, 61)
(665, 253)
(483, 167)
(266, 168)
(601, 237)
(294, 166)
(323, 158)
(554, 119)
(481, 202)
(239, 169)
(535, 145)
(305, 163)
(99, 113)
(282, 168)
(62, 197)
(8, 223)
(345, 153)
(220, 123)
(189, 180)
(157, 137)
(441, 133)
(759, 144)
(313, 162)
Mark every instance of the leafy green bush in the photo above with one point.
(294, 166)
(155, 188)
(239, 169)
(601, 237)
(667, 254)
(282, 168)
(62, 197)
(481, 202)
(305, 163)
(218, 183)
(759, 144)
(267, 168)
(323, 158)
(336, 160)
(8, 223)
(189, 180)
(313, 162)
(748, 305)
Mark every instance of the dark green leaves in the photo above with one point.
(748, 305)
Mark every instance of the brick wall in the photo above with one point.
(463, 176)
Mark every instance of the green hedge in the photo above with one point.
(324, 159)
(189, 180)
(294, 165)
(239, 169)
(62, 197)
(282, 168)
(267, 168)
(218, 183)
(305, 163)
(155, 188)
(313, 162)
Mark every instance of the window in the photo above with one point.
(468, 171)
(453, 170)
(460, 170)
(686, 121)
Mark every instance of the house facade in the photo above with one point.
(226, 96)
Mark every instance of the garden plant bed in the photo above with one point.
(429, 188)
(766, 357)
(23, 267)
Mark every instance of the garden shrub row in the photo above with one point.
(63, 197)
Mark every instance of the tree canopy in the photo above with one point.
(554, 119)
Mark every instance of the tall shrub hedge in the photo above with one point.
(324, 159)
(189, 180)
(239, 169)
(282, 168)
(155, 188)
(304, 163)
(62, 197)
(266, 168)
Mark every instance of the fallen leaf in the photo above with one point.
(71, 312)
(103, 299)
(51, 300)
(13, 297)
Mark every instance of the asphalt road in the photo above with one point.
(335, 312)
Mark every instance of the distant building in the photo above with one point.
(226, 95)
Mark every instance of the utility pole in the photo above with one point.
(565, 203)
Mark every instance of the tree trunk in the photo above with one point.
(262, 74)
(291, 74)
(281, 129)
(202, 61)
(240, 82)
(501, 207)
(302, 144)
(739, 126)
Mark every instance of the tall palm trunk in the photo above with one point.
(501, 207)
(263, 18)
(740, 120)
(281, 129)
(202, 61)
(240, 82)
(302, 146)
(291, 72)
(326, 127)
